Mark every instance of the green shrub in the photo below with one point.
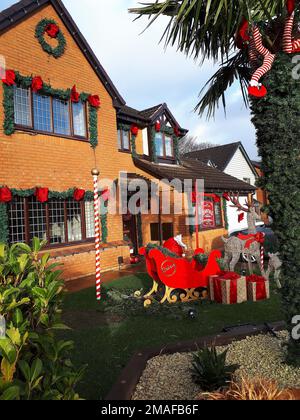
(210, 370)
(34, 364)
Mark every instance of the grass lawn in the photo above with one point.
(106, 340)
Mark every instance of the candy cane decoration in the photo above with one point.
(262, 254)
(95, 174)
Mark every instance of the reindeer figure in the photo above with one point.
(250, 244)
(275, 265)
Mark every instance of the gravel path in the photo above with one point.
(169, 377)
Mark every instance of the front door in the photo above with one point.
(130, 231)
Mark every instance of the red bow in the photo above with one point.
(241, 217)
(134, 130)
(42, 194)
(157, 126)
(5, 195)
(36, 84)
(177, 131)
(216, 199)
(226, 196)
(94, 101)
(10, 78)
(259, 237)
(105, 195)
(52, 30)
(74, 95)
(79, 194)
(229, 275)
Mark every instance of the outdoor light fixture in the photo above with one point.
(244, 273)
(192, 314)
(120, 262)
(2, 327)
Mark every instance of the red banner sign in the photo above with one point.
(208, 215)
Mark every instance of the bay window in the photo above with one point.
(48, 114)
(58, 221)
(210, 213)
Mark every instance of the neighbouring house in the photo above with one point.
(232, 159)
(61, 116)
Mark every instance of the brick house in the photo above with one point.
(51, 138)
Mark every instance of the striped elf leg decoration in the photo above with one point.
(290, 45)
(95, 174)
(256, 46)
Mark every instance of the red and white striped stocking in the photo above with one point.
(256, 47)
(290, 45)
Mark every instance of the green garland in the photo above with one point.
(40, 35)
(53, 195)
(103, 217)
(126, 127)
(93, 126)
(4, 229)
(9, 112)
(61, 94)
(225, 212)
(139, 230)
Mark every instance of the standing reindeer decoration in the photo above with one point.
(252, 244)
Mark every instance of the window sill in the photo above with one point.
(80, 248)
(128, 152)
(46, 133)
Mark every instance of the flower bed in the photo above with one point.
(169, 377)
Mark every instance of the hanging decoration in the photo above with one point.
(158, 127)
(250, 38)
(48, 27)
(37, 85)
(134, 133)
(241, 217)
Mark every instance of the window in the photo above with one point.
(49, 115)
(79, 121)
(57, 221)
(164, 146)
(42, 113)
(210, 215)
(159, 145)
(167, 231)
(124, 140)
(22, 102)
(247, 180)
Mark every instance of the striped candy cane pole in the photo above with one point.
(95, 174)
(262, 255)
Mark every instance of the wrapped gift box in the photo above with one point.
(228, 289)
(258, 288)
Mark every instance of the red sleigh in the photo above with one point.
(179, 274)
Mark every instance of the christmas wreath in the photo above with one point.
(50, 27)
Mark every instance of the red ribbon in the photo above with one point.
(37, 83)
(261, 289)
(79, 194)
(42, 194)
(259, 237)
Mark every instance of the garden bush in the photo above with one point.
(34, 364)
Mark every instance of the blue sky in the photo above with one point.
(146, 74)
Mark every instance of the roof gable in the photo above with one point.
(25, 8)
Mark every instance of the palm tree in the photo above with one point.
(209, 29)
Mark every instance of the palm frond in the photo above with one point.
(234, 69)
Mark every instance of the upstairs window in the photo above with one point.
(164, 146)
(49, 115)
(124, 140)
